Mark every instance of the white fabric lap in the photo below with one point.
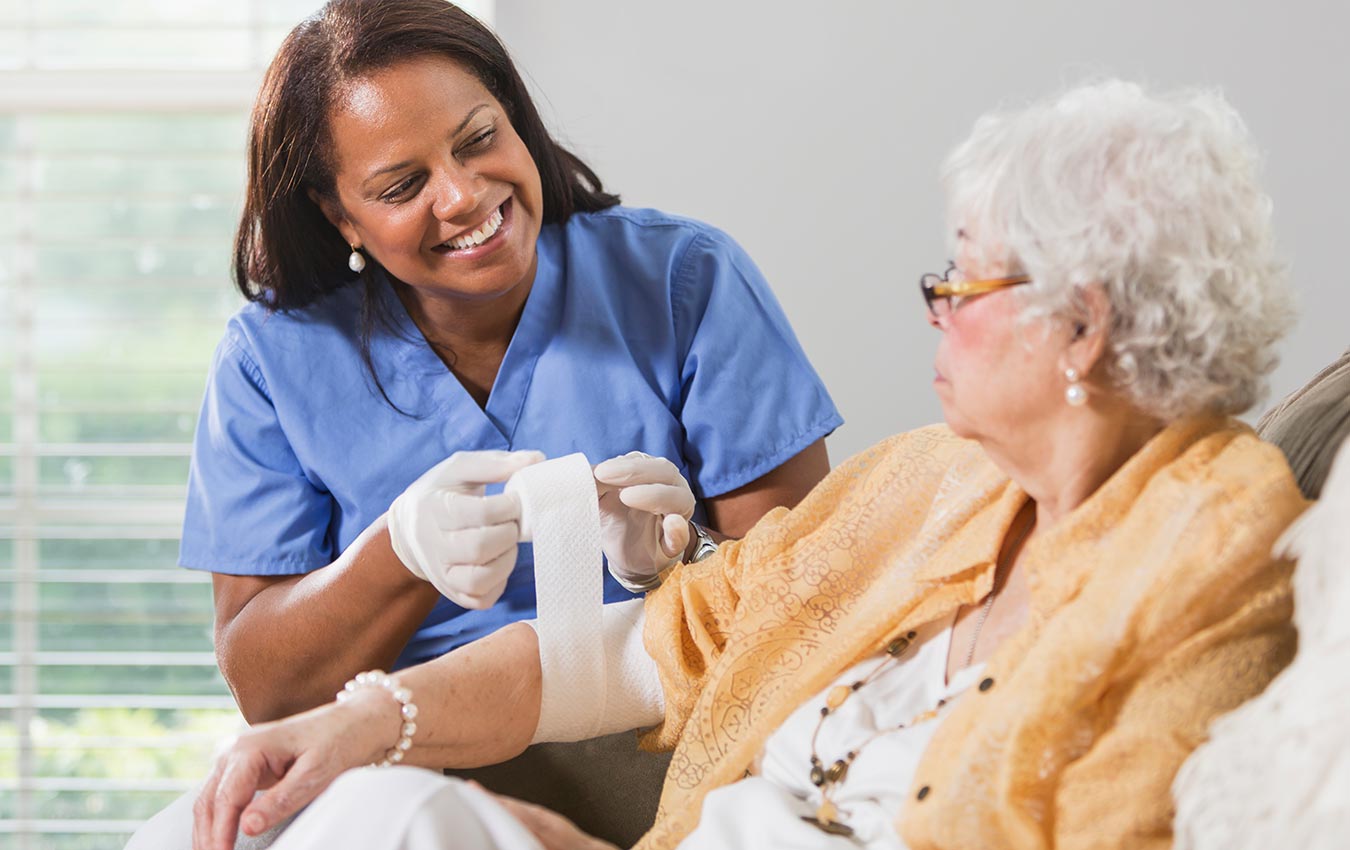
(171, 829)
(756, 814)
(404, 808)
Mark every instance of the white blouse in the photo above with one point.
(765, 809)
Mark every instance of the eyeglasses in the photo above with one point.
(943, 293)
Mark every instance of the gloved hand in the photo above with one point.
(445, 531)
(645, 506)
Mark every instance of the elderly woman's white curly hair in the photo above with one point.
(1155, 198)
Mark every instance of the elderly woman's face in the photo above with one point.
(434, 182)
(994, 378)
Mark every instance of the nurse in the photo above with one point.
(429, 272)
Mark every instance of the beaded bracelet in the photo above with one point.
(406, 708)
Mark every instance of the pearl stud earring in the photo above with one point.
(1074, 393)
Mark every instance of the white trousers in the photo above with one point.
(404, 808)
(171, 829)
(394, 808)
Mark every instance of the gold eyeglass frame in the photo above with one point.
(934, 286)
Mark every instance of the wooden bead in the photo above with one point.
(837, 771)
(837, 696)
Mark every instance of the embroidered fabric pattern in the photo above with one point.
(1134, 629)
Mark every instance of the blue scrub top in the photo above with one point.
(642, 331)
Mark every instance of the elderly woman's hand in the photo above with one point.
(553, 830)
(645, 506)
(292, 761)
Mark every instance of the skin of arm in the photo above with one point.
(359, 612)
(732, 514)
(355, 614)
(477, 705)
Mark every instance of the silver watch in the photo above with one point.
(705, 546)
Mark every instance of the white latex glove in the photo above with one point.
(445, 531)
(645, 506)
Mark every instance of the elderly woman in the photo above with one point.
(1007, 631)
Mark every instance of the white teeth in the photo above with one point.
(479, 236)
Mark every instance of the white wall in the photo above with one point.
(813, 132)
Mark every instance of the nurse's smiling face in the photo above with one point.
(433, 181)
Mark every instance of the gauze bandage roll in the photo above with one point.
(560, 513)
(596, 677)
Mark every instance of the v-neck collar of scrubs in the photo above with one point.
(445, 397)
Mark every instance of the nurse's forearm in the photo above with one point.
(732, 514)
(288, 644)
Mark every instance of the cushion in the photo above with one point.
(1311, 423)
(606, 786)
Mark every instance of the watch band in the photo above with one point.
(705, 546)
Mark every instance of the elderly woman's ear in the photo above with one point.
(1089, 325)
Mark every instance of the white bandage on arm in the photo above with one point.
(597, 677)
(632, 697)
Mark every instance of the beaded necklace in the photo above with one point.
(827, 779)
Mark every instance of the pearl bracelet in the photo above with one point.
(406, 708)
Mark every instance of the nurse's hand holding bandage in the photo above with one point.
(645, 509)
(447, 532)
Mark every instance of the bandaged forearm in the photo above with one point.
(631, 697)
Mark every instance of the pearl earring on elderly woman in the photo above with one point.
(1074, 393)
(357, 261)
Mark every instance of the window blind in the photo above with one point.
(122, 126)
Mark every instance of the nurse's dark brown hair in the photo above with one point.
(286, 254)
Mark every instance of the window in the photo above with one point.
(122, 127)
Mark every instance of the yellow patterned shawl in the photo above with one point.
(1156, 606)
